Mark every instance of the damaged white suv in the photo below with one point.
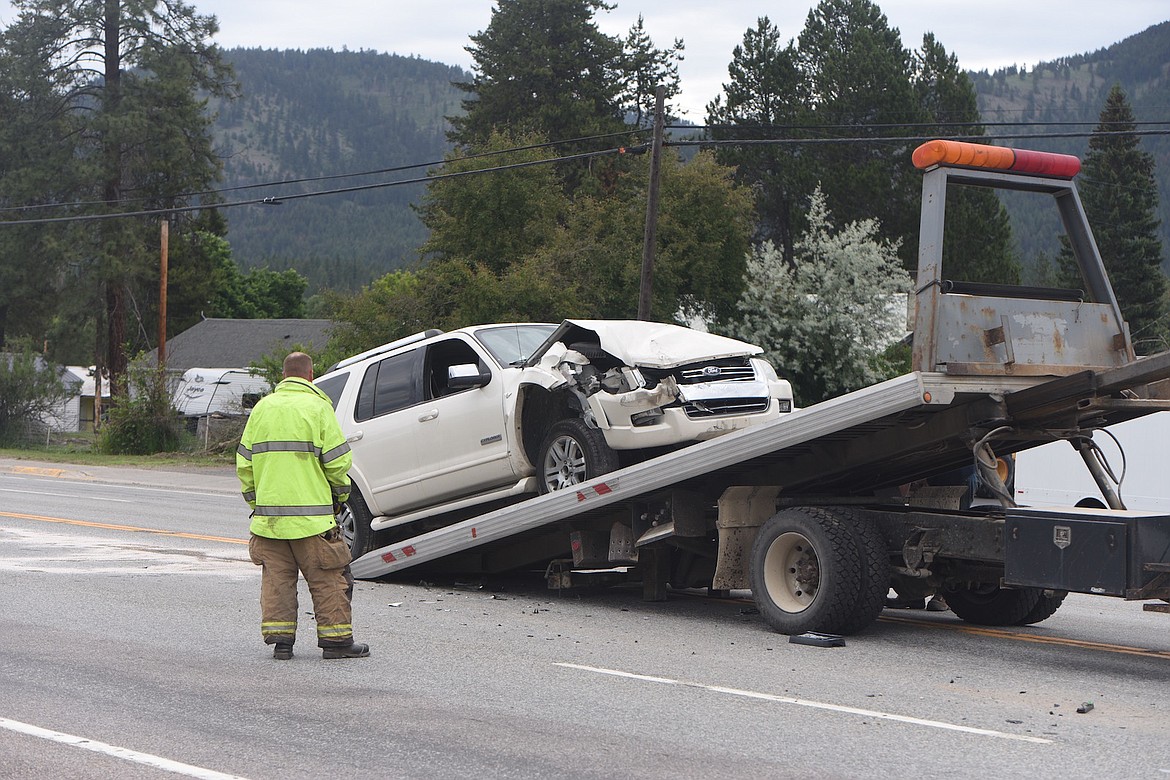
(442, 424)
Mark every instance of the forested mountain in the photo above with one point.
(322, 113)
(1073, 90)
(306, 114)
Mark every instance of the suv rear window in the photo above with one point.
(332, 387)
(389, 385)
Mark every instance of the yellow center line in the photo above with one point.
(116, 527)
(997, 633)
(1000, 633)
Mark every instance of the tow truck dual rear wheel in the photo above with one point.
(874, 559)
(572, 453)
(806, 572)
(991, 605)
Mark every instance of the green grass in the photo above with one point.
(91, 458)
(78, 448)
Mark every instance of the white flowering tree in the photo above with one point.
(827, 320)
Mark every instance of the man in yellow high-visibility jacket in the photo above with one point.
(293, 463)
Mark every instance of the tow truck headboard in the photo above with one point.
(980, 329)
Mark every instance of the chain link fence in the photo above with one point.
(36, 434)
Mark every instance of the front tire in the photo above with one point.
(354, 522)
(572, 453)
(806, 574)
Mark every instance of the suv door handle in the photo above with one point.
(430, 414)
(355, 437)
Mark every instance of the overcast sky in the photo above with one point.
(982, 34)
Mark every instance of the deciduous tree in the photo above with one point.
(30, 388)
(826, 321)
(498, 217)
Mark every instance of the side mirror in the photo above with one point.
(467, 375)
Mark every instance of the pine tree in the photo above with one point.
(1120, 197)
(765, 97)
(648, 67)
(35, 169)
(542, 67)
(977, 242)
(132, 75)
(859, 80)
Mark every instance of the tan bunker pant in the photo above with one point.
(325, 564)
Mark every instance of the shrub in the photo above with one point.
(30, 389)
(143, 421)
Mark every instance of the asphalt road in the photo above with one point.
(130, 648)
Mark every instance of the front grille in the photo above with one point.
(725, 407)
(726, 370)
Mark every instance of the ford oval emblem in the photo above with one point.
(711, 371)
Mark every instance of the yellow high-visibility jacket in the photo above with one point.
(293, 462)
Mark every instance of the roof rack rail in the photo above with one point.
(402, 342)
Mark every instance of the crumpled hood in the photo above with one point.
(648, 344)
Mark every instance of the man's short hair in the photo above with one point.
(298, 364)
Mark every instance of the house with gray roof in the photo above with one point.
(231, 343)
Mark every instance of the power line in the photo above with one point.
(906, 125)
(896, 139)
(275, 200)
(636, 149)
(328, 177)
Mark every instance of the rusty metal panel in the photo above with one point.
(733, 562)
(988, 335)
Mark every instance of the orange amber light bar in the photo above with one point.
(999, 158)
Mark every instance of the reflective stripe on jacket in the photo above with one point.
(293, 462)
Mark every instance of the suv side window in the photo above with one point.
(440, 358)
(388, 385)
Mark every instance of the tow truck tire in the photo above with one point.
(806, 572)
(990, 605)
(572, 453)
(354, 522)
(1050, 601)
(875, 568)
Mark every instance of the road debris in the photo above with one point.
(817, 640)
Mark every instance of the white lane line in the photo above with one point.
(65, 495)
(937, 724)
(210, 492)
(117, 752)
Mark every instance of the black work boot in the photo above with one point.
(282, 652)
(346, 651)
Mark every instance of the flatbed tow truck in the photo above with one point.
(820, 513)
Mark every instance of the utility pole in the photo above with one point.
(652, 207)
(162, 295)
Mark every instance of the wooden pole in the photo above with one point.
(648, 243)
(162, 296)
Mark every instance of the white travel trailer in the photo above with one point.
(227, 391)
